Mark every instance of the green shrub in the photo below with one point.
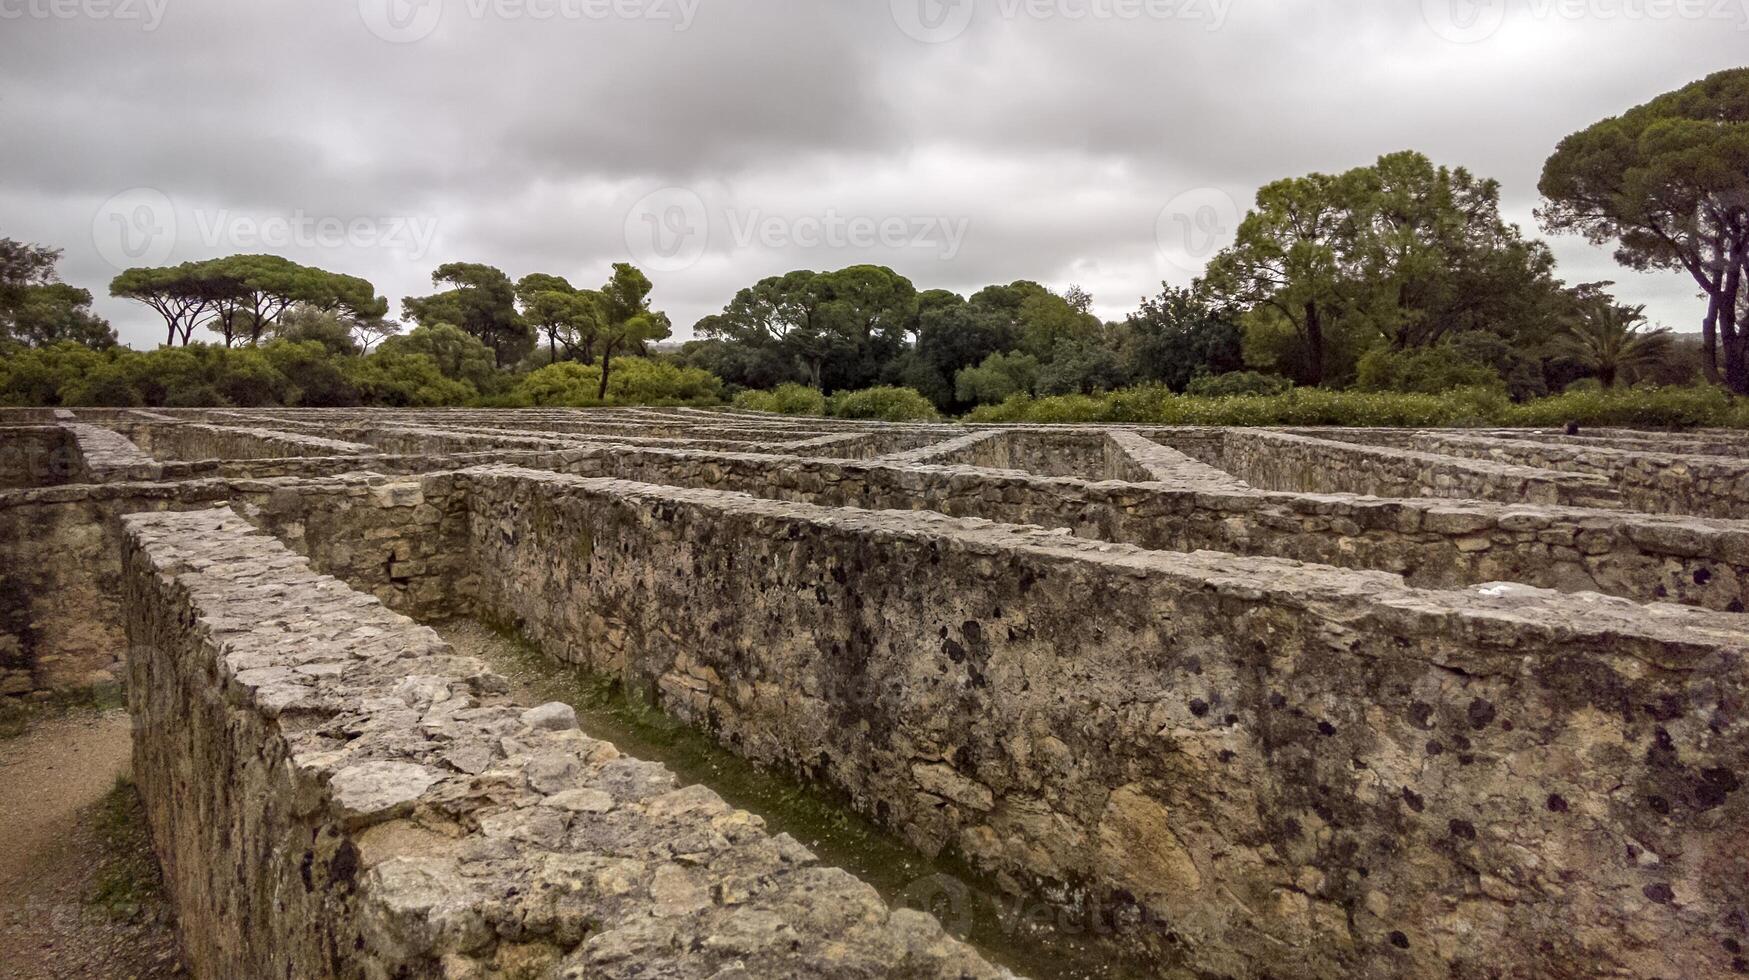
(37, 376)
(633, 381)
(1237, 383)
(785, 399)
(1299, 406)
(999, 377)
(886, 404)
(105, 385)
(1424, 370)
(405, 380)
(1659, 408)
(1663, 408)
(459, 355)
(639, 381)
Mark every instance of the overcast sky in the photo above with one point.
(1107, 143)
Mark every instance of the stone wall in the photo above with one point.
(1073, 453)
(35, 456)
(869, 445)
(60, 564)
(960, 447)
(1155, 463)
(1657, 482)
(190, 441)
(1248, 766)
(103, 456)
(333, 792)
(1432, 542)
(1280, 461)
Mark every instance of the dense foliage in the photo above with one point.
(636, 381)
(1668, 183)
(37, 308)
(1683, 407)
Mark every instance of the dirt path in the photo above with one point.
(77, 895)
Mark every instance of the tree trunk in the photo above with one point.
(1734, 336)
(1709, 341)
(1314, 344)
(606, 365)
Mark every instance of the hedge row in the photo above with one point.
(1664, 408)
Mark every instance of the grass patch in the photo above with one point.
(18, 714)
(128, 883)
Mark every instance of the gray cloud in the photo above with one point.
(485, 131)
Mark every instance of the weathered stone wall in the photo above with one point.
(60, 558)
(1252, 767)
(192, 441)
(1656, 482)
(1432, 542)
(1720, 442)
(333, 792)
(325, 466)
(104, 456)
(939, 451)
(1698, 442)
(1154, 463)
(1072, 453)
(1279, 461)
(871, 445)
(36, 456)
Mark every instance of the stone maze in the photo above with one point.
(1180, 702)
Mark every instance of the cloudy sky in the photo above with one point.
(1107, 143)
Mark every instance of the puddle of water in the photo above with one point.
(1025, 937)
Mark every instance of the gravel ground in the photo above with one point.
(78, 887)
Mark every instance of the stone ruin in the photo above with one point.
(1259, 702)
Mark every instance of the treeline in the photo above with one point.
(1400, 276)
(287, 334)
